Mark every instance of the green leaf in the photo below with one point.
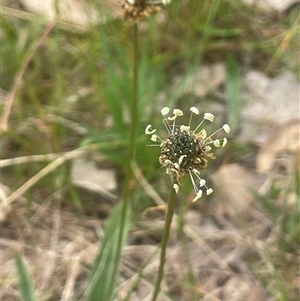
(25, 284)
(103, 276)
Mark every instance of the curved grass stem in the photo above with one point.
(164, 242)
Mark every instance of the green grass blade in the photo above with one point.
(116, 89)
(267, 204)
(25, 284)
(233, 94)
(102, 272)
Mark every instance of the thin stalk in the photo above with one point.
(164, 242)
(131, 148)
(134, 106)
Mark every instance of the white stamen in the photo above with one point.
(132, 2)
(181, 159)
(168, 162)
(209, 191)
(226, 128)
(172, 118)
(207, 148)
(203, 133)
(148, 130)
(193, 181)
(196, 172)
(217, 143)
(194, 110)
(198, 196)
(177, 112)
(154, 138)
(202, 182)
(224, 142)
(209, 116)
(198, 125)
(215, 132)
(165, 111)
(184, 128)
(176, 187)
(166, 124)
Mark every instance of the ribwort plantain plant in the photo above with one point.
(184, 151)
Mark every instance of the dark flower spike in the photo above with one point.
(139, 10)
(186, 151)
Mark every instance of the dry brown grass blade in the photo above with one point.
(49, 168)
(207, 295)
(52, 253)
(74, 271)
(283, 45)
(18, 78)
(28, 159)
(25, 15)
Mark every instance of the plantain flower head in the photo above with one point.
(187, 151)
(139, 10)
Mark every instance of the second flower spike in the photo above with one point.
(139, 10)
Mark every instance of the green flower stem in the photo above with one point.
(164, 242)
(131, 148)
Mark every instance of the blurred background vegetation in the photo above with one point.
(75, 90)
